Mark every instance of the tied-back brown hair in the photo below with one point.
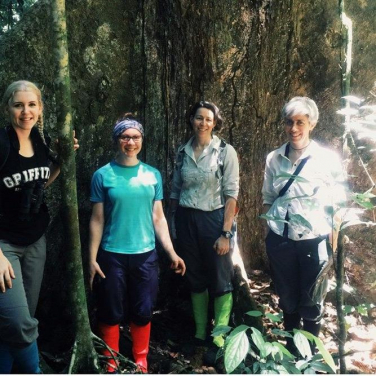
(210, 106)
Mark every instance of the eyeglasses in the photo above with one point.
(136, 139)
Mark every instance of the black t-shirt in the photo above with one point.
(23, 214)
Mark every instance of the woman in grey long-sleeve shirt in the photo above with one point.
(204, 195)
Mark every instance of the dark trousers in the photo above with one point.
(197, 232)
(130, 288)
(299, 272)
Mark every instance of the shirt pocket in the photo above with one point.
(210, 177)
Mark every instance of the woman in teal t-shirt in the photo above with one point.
(127, 215)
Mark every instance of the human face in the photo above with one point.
(130, 148)
(298, 129)
(24, 110)
(203, 122)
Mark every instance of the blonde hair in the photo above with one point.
(23, 85)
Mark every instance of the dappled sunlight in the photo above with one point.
(361, 330)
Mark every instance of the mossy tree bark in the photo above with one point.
(84, 358)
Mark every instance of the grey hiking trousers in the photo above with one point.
(18, 304)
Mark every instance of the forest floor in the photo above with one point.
(173, 324)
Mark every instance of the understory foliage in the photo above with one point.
(11, 11)
(247, 350)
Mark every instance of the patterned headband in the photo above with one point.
(123, 125)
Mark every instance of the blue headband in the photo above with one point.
(123, 125)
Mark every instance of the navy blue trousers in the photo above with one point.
(197, 232)
(129, 291)
(299, 272)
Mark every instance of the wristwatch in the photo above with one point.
(227, 234)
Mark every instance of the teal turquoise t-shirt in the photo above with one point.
(128, 195)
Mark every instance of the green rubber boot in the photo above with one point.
(222, 311)
(200, 302)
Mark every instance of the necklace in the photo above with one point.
(300, 148)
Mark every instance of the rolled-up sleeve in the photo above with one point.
(230, 182)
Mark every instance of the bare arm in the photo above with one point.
(96, 232)
(222, 245)
(6, 273)
(55, 171)
(163, 235)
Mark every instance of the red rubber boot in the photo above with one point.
(110, 334)
(141, 338)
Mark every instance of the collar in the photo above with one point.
(312, 150)
(214, 143)
(13, 138)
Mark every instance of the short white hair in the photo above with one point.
(301, 106)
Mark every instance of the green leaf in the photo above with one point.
(283, 350)
(238, 329)
(272, 218)
(302, 364)
(297, 178)
(282, 333)
(220, 329)
(268, 349)
(325, 354)
(254, 313)
(348, 309)
(309, 371)
(362, 310)
(363, 199)
(321, 367)
(291, 368)
(258, 340)
(274, 318)
(256, 367)
(269, 372)
(300, 220)
(301, 342)
(309, 335)
(236, 351)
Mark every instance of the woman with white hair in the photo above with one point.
(303, 181)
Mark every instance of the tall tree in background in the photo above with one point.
(84, 357)
(156, 57)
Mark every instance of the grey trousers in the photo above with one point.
(18, 304)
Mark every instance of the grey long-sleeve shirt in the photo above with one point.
(200, 184)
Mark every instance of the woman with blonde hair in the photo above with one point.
(27, 167)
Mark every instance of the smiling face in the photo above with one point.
(24, 110)
(298, 129)
(130, 143)
(203, 122)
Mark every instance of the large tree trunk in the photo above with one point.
(156, 57)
